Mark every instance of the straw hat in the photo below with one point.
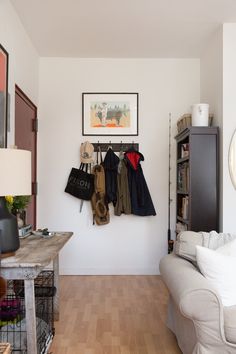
(86, 152)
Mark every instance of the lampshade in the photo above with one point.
(15, 176)
(15, 179)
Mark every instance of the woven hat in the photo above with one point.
(86, 152)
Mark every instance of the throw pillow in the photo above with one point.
(229, 249)
(186, 242)
(219, 269)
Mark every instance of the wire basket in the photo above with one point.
(186, 121)
(12, 314)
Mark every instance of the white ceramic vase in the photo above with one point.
(200, 114)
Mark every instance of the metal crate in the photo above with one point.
(12, 314)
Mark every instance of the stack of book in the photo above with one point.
(183, 177)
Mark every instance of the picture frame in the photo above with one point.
(110, 113)
(3, 96)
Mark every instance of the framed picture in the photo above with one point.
(109, 113)
(3, 96)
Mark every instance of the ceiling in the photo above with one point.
(123, 28)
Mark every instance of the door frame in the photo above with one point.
(28, 101)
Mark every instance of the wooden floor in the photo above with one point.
(113, 315)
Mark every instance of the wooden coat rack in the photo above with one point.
(115, 146)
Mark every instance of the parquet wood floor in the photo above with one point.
(113, 315)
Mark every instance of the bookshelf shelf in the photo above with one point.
(183, 159)
(182, 192)
(197, 197)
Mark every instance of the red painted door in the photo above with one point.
(26, 138)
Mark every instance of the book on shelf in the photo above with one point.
(187, 177)
(184, 150)
(185, 208)
(183, 177)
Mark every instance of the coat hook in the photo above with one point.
(110, 146)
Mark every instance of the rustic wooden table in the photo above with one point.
(35, 253)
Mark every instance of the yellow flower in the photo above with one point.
(9, 199)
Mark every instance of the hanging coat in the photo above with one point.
(141, 201)
(123, 204)
(110, 164)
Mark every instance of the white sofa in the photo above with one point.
(195, 313)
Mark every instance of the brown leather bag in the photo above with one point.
(98, 201)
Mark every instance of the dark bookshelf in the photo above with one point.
(197, 184)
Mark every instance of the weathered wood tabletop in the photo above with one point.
(37, 250)
(35, 253)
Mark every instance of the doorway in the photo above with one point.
(26, 138)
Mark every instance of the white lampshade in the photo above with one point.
(15, 172)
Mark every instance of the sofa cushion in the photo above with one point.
(219, 269)
(230, 323)
(186, 242)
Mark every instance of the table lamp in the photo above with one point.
(15, 179)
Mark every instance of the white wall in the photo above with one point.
(211, 78)
(229, 114)
(23, 59)
(129, 244)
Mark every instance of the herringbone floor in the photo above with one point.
(113, 315)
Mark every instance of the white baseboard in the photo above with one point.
(109, 271)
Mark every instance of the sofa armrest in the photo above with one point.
(195, 298)
(182, 277)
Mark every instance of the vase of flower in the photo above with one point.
(10, 242)
(17, 206)
(20, 221)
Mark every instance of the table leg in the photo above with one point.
(56, 284)
(30, 317)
